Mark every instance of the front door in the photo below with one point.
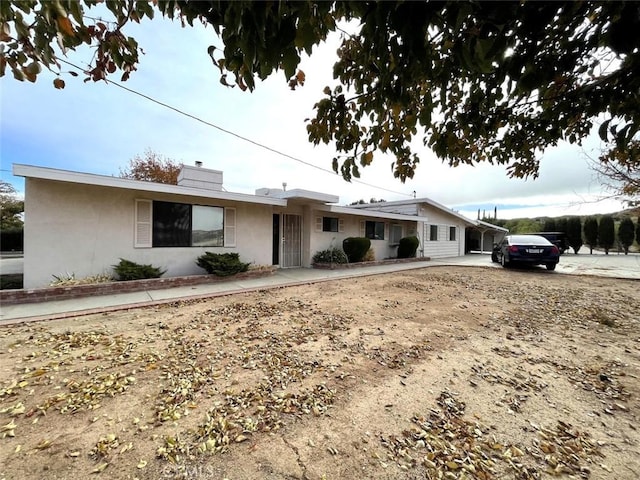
(291, 241)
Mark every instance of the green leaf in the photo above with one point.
(290, 61)
(602, 131)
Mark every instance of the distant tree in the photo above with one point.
(638, 231)
(523, 225)
(574, 233)
(606, 233)
(10, 207)
(561, 224)
(625, 234)
(152, 167)
(549, 225)
(591, 232)
(371, 200)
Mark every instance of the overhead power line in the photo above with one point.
(229, 132)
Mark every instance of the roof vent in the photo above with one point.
(198, 163)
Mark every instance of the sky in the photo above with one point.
(98, 127)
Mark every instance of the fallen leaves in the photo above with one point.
(187, 381)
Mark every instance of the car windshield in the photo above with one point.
(529, 240)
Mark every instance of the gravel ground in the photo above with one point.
(442, 372)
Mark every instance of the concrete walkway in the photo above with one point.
(619, 266)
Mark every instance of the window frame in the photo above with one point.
(330, 224)
(433, 233)
(372, 233)
(452, 233)
(146, 225)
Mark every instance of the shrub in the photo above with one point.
(370, 256)
(222, 264)
(330, 255)
(408, 246)
(356, 248)
(128, 270)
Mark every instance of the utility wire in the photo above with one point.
(229, 132)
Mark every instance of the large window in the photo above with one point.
(452, 234)
(433, 233)
(374, 230)
(184, 225)
(329, 224)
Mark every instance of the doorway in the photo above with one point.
(291, 240)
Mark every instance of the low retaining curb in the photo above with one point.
(391, 261)
(35, 295)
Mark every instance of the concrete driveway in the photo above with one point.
(10, 265)
(598, 264)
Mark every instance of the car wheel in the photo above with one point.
(494, 257)
(503, 262)
(551, 266)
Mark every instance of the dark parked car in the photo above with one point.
(526, 249)
(559, 239)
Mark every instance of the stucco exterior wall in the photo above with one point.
(352, 228)
(84, 230)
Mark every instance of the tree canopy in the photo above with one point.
(152, 167)
(620, 171)
(10, 207)
(473, 80)
(606, 233)
(626, 231)
(574, 233)
(591, 232)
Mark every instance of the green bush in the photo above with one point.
(356, 248)
(330, 255)
(128, 270)
(408, 246)
(222, 264)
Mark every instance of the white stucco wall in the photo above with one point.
(320, 240)
(84, 230)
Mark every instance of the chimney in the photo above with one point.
(199, 177)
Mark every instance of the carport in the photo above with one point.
(482, 235)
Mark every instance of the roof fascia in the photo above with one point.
(46, 173)
(372, 214)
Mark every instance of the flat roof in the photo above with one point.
(46, 173)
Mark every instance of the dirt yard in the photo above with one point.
(434, 373)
